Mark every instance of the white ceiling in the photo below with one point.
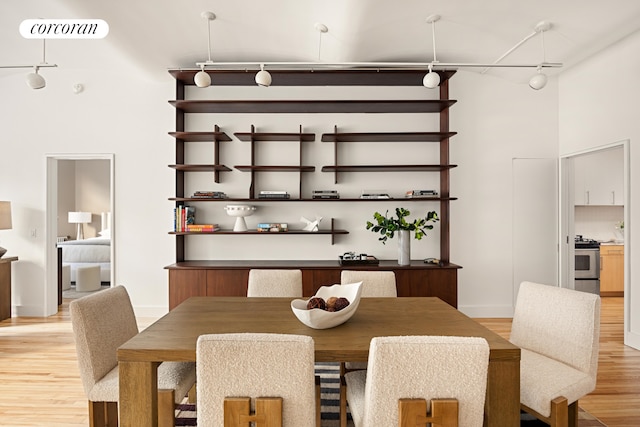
(155, 35)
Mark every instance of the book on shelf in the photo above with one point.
(325, 194)
(273, 196)
(273, 192)
(375, 196)
(272, 227)
(183, 216)
(209, 195)
(202, 228)
(425, 194)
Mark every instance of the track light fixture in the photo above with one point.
(34, 79)
(263, 78)
(431, 80)
(202, 78)
(539, 80)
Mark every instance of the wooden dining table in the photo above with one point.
(173, 338)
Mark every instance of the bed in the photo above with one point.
(88, 252)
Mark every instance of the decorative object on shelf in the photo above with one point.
(273, 227)
(5, 220)
(311, 225)
(351, 258)
(317, 318)
(240, 211)
(79, 218)
(389, 226)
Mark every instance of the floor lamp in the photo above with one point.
(5, 220)
(79, 218)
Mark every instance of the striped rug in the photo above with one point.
(330, 397)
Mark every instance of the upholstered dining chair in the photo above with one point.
(374, 283)
(102, 322)
(558, 331)
(433, 368)
(275, 283)
(255, 366)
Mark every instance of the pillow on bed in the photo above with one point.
(105, 233)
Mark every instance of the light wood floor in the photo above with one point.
(40, 384)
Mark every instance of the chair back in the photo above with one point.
(374, 283)
(562, 324)
(427, 367)
(101, 323)
(256, 365)
(275, 283)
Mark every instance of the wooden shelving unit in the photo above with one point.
(190, 277)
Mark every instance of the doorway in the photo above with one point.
(572, 194)
(63, 188)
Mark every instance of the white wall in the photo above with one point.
(125, 114)
(593, 115)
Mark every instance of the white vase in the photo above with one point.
(404, 247)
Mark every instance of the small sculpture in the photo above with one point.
(311, 225)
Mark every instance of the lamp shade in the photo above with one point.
(79, 217)
(5, 215)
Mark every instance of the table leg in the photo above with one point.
(138, 394)
(502, 406)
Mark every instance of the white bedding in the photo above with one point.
(87, 252)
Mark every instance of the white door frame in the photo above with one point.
(567, 227)
(51, 215)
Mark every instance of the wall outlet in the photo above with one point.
(34, 232)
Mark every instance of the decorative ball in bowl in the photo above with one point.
(328, 298)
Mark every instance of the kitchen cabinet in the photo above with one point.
(611, 270)
(599, 179)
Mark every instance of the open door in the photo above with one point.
(57, 193)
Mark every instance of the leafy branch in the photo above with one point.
(387, 226)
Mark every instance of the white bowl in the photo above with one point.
(318, 318)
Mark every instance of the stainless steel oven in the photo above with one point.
(587, 265)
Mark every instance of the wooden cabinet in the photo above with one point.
(611, 270)
(599, 179)
(229, 278)
(5, 286)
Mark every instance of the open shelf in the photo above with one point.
(201, 168)
(352, 77)
(201, 136)
(387, 136)
(255, 168)
(275, 136)
(387, 168)
(312, 106)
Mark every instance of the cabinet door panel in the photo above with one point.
(324, 277)
(184, 284)
(227, 283)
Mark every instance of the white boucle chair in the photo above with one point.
(374, 283)
(558, 331)
(380, 284)
(257, 365)
(275, 283)
(426, 367)
(101, 323)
